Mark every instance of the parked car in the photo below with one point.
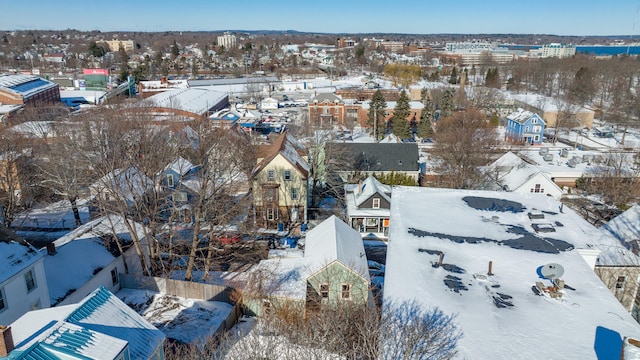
(229, 238)
(375, 268)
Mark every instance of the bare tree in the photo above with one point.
(14, 183)
(225, 159)
(617, 178)
(463, 142)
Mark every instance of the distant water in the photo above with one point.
(608, 50)
(592, 50)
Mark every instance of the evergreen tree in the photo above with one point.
(400, 126)
(96, 50)
(446, 103)
(377, 107)
(453, 79)
(492, 78)
(426, 117)
(175, 51)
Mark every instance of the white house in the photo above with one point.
(269, 104)
(125, 184)
(511, 173)
(368, 205)
(88, 257)
(23, 284)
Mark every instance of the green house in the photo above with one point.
(333, 269)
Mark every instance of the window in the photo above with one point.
(272, 214)
(324, 291)
(345, 294)
(294, 194)
(114, 276)
(180, 196)
(170, 180)
(266, 306)
(537, 129)
(271, 175)
(371, 222)
(526, 129)
(376, 203)
(620, 282)
(537, 189)
(287, 175)
(534, 121)
(3, 302)
(30, 280)
(536, 138)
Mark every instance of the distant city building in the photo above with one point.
(460, 47)
(555, 50)
(346, 42)
(227, 40)
(115, 44)
(478, 52)
(393, 46)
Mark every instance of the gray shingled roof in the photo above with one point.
(326, 97)
(384, 157)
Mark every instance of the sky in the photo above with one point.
(556, 17)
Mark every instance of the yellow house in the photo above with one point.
(280, 183)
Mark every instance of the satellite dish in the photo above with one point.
(552, 271)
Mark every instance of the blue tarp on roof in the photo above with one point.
(22, 88)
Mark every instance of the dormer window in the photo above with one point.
(170, 182)
(376, 203)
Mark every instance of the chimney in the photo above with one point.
(51, 248)
(490, 273)
(440, 258)
(6, 340)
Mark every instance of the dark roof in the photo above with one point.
(384, 157)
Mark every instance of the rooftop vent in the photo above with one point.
(535, 215)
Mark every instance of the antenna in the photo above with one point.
(552, 271)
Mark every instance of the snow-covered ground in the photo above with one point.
(57, 215)
(185, 320)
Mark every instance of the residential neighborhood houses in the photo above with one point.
(257, 190)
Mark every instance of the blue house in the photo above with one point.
(524, 127)
(179, 182)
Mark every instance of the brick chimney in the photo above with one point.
(51, 248)
(6, 340)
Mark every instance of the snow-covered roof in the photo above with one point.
(15, 254)
(500, 314)
(522, 116)
(180, 166)
(512, 171)
(127, 183)
(98, 327)
(361, 192)
(334, 240)
(81, 252)
(194, 100)
(25, 85)
(626, 226)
